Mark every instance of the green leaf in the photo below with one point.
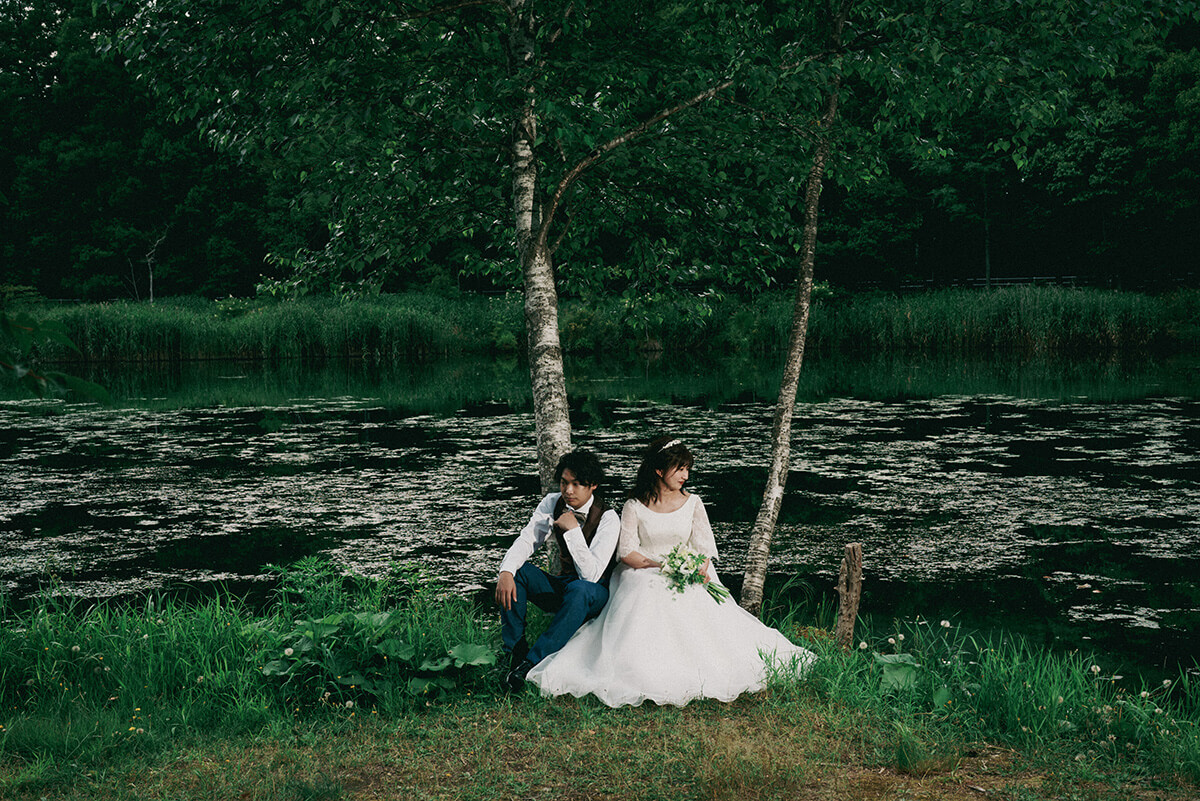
(435, 665)
(430, 686)
(471, 654)
(277, 667)
(899, 670)
(396, 649)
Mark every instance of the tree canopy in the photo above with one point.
(76, 121)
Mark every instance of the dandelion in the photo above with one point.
(349, 705)
(945, 624)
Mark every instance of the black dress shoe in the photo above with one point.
(515, 680)
(519, 652)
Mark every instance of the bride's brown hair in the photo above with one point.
(665, 454)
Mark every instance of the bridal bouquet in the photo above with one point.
(684, 567)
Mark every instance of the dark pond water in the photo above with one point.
(1061, 503)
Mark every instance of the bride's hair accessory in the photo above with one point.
(670, 444)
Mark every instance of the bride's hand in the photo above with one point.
(638, 561)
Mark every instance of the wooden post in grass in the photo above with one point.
(849, 589)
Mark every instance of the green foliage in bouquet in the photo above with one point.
(684, 567)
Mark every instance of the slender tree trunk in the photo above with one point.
(551, 421)
(781, 431)
(550, 411)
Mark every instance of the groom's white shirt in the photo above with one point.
(590, 561)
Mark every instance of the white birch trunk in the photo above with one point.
(550, 414)
(551, 421)
(759, 549)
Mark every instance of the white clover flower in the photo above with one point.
(1166, 682)
(349, 704)
(74, 649)
(945, 624)
(199, 679)
(288, 651)
(900, 637)
(1145, 694)
(1060, 699)
(1095, 669)
(891, 640)
(862, 646)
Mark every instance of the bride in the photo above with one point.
(651, 643)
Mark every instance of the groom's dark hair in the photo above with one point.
(584, 465)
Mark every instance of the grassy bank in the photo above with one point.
(356, 688)
(1043, 321)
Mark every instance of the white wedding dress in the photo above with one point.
(651, 643)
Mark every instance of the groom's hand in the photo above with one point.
(506, 591)
(565, 522)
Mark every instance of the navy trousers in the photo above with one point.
(572, 600)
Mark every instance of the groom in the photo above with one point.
(587, 533)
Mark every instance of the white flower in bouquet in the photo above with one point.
(684, 567)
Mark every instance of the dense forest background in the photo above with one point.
(104, 196)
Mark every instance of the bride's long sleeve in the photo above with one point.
(703, 540)
(629, 541)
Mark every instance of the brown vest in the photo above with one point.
(566, 564)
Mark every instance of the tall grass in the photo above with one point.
(1025, 319)
(93, 690)
(935, 677)
(405, 328)
(91, 681)
(386, 328)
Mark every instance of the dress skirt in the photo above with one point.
(651, 643)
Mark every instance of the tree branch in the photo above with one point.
(624, 138)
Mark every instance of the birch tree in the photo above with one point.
(911, 71)
(537, 124)
(403, 118)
